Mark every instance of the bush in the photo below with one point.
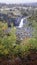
(7, 42)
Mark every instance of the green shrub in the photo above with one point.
(7, 42)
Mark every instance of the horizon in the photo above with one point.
(18, 1)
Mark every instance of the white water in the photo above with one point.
(21, 23)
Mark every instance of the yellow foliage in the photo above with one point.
(5, 51)
(4, 28)
(1, 46)
(25, 41)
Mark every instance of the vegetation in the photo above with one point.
(8, 45)
(7, 42)
(12, 49)
(33, 21)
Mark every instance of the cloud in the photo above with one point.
(17, 1)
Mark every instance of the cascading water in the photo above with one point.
(21, 23)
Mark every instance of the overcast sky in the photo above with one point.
(17, 1)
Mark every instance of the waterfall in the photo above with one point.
(21, 23)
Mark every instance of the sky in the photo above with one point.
(17, 1)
